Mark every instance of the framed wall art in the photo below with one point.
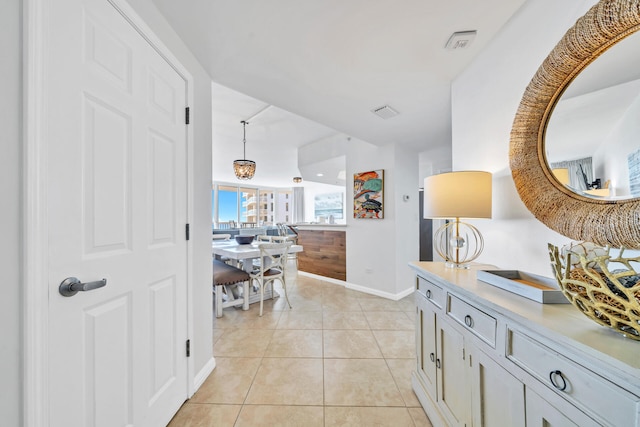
(368, 194)
(328, 205)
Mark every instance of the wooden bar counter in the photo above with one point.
(324, 250)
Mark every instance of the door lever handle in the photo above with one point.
(72, 285)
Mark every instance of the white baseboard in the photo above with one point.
(409, 291)
(204, 373)
(383, 294)
(323, 278)
(360, 288)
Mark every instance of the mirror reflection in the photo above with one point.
(592, 141)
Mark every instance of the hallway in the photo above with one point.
(337, 358)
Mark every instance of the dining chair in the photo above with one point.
(273, 257)
(288, 238)
(260, 238)
(282, 229)
(219, 237)
(224, 276)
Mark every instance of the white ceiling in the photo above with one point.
(331, 62)
(273, 138)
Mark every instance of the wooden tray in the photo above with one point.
(537, 288)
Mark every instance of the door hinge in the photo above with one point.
(187, 110)
(188, 348)
(186, 231)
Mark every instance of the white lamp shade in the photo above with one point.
(465, 194)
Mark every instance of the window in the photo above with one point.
(250, 205)
(283, 211)
(227, 208)
(267, 213)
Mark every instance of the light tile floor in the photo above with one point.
(337, 358)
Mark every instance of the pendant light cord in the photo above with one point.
(244, 139)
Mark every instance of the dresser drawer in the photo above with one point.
(582, 387)
(434, 293)
(476, 321)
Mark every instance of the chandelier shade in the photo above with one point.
(244, 169)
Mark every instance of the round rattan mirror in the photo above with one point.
(605, 222)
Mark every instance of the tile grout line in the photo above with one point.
(296, 289)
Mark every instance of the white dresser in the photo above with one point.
(487, 357)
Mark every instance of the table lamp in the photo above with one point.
(455, 195)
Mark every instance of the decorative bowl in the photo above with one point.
(608, 297)
(244, 240)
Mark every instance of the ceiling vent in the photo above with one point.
(460, 40)
(385, 112)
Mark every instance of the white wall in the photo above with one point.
(485, 98)
(11, 212)
(378, 251)
(434, 161)
(406, 211)
(201, 341)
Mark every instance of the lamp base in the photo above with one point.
(458, 265)
(458, 243)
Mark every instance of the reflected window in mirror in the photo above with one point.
(576, 174)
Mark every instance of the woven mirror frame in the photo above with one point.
(605, 222)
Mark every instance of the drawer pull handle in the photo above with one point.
(557, 374)
(429, 293)
(468, 321)
(438, 363)
(432, 357)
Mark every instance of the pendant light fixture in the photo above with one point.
(244, 169)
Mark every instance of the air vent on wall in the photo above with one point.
(460, 40)
(385, 112)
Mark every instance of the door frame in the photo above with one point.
(35, 291)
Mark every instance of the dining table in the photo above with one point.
(243, 256)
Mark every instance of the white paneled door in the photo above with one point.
(117, 209)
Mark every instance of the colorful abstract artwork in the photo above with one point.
(368, 190)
